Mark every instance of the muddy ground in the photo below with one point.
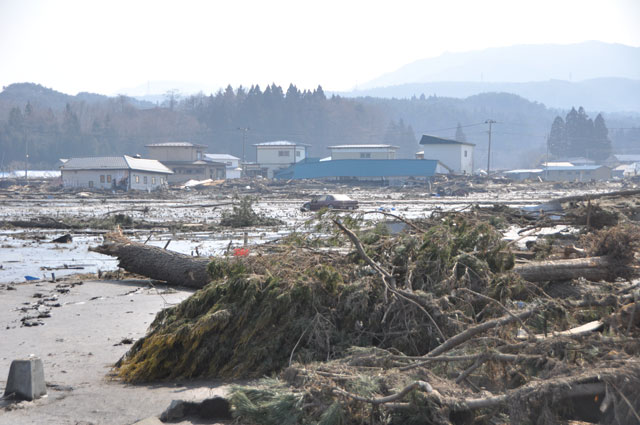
(90, 325)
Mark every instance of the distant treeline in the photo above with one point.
(48, 125)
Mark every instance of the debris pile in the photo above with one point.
(436, 324)
(243, 215)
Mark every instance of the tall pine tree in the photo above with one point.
(557, 141)
(579, 135)
(601, 144)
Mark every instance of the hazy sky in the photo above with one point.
(111, 45)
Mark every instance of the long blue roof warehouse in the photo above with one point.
(361, 169)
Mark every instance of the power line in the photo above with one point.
(450, 128)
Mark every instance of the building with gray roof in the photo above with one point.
(114, 172)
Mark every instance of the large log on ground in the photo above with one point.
(591, 268)
(183, 270)
(172, 267)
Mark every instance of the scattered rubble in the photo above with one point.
(446, 321)
(435, 324)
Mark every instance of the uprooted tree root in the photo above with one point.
(428, 326)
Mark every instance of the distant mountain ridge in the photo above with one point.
(600, 94)
(19, 94)
(521, 63)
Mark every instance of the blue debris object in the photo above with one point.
(31, 278)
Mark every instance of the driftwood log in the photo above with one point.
(156, 263)
(183, 270)
(590, 268)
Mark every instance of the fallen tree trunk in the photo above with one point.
(183, 270)
(591, 268)
(592, 196)
(172, 267)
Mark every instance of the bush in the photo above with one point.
(243, 215)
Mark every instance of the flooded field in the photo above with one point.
(187, 221)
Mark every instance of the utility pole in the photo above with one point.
(546, 162)
(489, 150)
(244, 137)
(26, 158)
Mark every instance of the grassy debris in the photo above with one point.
(243, 215)
(248, 320)
(342, 343)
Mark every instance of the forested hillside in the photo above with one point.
(48, 125)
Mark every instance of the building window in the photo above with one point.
(137, 179)
(101, 178)
(153, 180)
(109, 178)
(145, 179)
(465, 154)
(199, 155)
(90, 183)
(283, 153)
(297, 153)
(364, 155)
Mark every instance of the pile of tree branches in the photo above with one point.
(436, 324)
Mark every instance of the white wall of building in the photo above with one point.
(458, 157)
(232, 164)
(363, 153)
(277, 157)
(97, 179)
(234, 173)
(144, 180)
(175, 153)
(466, 159)
(109, 179)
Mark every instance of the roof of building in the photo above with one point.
(197, 162)
(627, 158)
(359, 168)
(557, 164)
(624, 167)
(280, 143)
(220, 156)
(433, 140)
(116, 163)
(522, 171)
(579, 160)
(363, 147)
(174, 145)
(576, 168)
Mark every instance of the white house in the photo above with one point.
(363, 152)
(280, 154)
(234, 171)
(458, 156)
(577, 173)
(114, 172)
